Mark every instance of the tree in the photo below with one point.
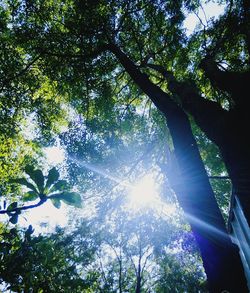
(136, 247)
(44, 263)
(230, 134)
(162, 25)
(192, 170)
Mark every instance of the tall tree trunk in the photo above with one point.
(138, 283)
(227, 129)
(235, 150)
(139, 271)
(220, 257)
(196, 197)
(231, 131)
(120, 275)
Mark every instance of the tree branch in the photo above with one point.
(19, 209)
(84, 56)
(161, 99)
(7, 80)
(206, 113)
(235, 83)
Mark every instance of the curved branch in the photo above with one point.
(207, 114)
(19, 209)
(8, 79)
(159, 97)
(84, 56)
(220, 177)
(235, 83)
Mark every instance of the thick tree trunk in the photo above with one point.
(220, 257)
(235, 150)
(232, 133)
(196, 197)
(139, 270)
(235, 83)
(227, 129)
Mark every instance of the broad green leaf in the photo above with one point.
(70, 198)
(61, 185)
(37, 176)
(29, 169)
(56, 202)
(24, 182)
(30, 195)
(29, 231)
(53, 176)
(12, 206)
(39, 179)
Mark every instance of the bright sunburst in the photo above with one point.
(143, 193)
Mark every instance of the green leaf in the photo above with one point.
(56, 202)
(70, 198)
(53, 176)
(14, 219)
(36, 176)
(29, 169)
(24, 182)
(61, 185)
(12, 206)
(39, 179)
(30, 195)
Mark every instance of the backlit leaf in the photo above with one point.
(37, 176)
(12, 206)
(70, 198)
(30, 195)
(53, 176)
(56, 202)
(61, 185)
(24, 182)
(14, 219)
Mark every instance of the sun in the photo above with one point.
(54, 154)
(143, 193)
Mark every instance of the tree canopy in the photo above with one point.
(128, 92)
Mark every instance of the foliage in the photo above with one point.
(15, 153)
(42, 188)
(133, 245)
(58, 72)
(41, 263)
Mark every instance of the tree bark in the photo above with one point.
(138, 280)
(235, 151)
(234, 145)
(139, 270)
(227, 129)
(193, 190)
(235, 83)
(210, 116)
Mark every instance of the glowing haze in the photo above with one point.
(144, 192)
